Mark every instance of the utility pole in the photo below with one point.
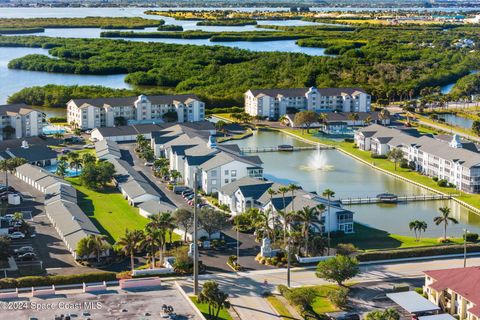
(288, 262)
(195, 233)
(238, 240)
(465, 231)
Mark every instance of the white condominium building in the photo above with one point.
(442, 156)
(110, 112)
(273, 103)
(19, 121)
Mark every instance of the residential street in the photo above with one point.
(245, 288)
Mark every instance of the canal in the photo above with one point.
(318, 170)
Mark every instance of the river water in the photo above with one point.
(351, 178)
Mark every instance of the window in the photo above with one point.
(226, 172)
(214, 182)
(227, 181)
(234, 173)
(214, 173)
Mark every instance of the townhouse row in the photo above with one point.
(71, 223)
(442, 156)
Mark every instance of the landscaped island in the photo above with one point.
(87, 22)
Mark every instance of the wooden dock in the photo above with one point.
(279, 149)
(400, 199)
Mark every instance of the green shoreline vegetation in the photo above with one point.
(170, 27)
(388, 62)
(228, 22)
(87, 22)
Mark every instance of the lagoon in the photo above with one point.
(351, 178)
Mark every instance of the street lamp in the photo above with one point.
(238, 240)
(465, 231)
(195, 233)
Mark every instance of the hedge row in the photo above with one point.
(416, 252)
(38, 281)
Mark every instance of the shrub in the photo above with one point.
(338, 297)
(419, 291)
(378, 156)
(442, 183)
(346, 249)
(57, 119)
(301, 297)
(348, 140)
(404, 164)
(38, 281)
(435, 178)
(416, 252)
(471, 237)
(283, 289)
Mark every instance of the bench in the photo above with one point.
(92, 287)
(139, 283)
(43, 291)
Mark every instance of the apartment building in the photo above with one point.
(248, 192)
(442, 156)
(274, 103)
(194, 150)
(455, 291)
(20, 121)
(110, 112)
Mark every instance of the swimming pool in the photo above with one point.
(71, 172)
(52, 129)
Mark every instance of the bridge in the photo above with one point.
(283, 148)
(369, 200)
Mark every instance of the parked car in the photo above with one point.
(180, 189)
(16, 235)
(8, 217)
(188, 194)
(148, 164)
(23, 250)
(89, 146)
(190, 197)
(66, 151)
(27, 256)
(187, 191)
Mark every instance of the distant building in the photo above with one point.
(274, 103)
(110, 112)
(456, 291)
(19, 121)
(442, 156)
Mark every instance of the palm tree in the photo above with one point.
(422, 227)
(292, 188)
(354, 117)
(329, 194)
(271, 193)
(307, 216)
(445, 218)
(283, 190)
(368, 120)
(9, 166)
(262, 222)
(174, 174)
(384, 115)
(88, 158)
(151, 241)
(164, 222)
(413, 225)
(129, 244)
(97, 244)
(61, 169)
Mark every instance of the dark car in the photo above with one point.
(27, 256)
(186, 191)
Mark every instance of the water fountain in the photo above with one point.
(318, 161)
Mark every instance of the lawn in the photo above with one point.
(110, 213)
(280, 308)
(203, 307)
(367, 238)
(322, 304)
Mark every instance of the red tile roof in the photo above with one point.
(464, 281)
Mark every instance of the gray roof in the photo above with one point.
(72, 223)
(153, 207)
(60, 191)
(33, 153)
(250, 187)
(13, 109)
(39, 175)
(345, 116)
(132, 130)
(106, 147)
(223, 158)
(137, 188)
(412, 302)
(297, 92)
(129, 101)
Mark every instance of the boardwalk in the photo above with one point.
(368, 200)
(283, 148)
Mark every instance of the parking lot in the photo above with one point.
(51, 253)
(111, 304)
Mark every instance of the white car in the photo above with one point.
(16, 235)
(148, 164)
(89, 146)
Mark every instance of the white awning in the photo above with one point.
(443, 316)
(412, 302)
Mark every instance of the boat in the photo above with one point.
(387, 197)
(285, 147)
